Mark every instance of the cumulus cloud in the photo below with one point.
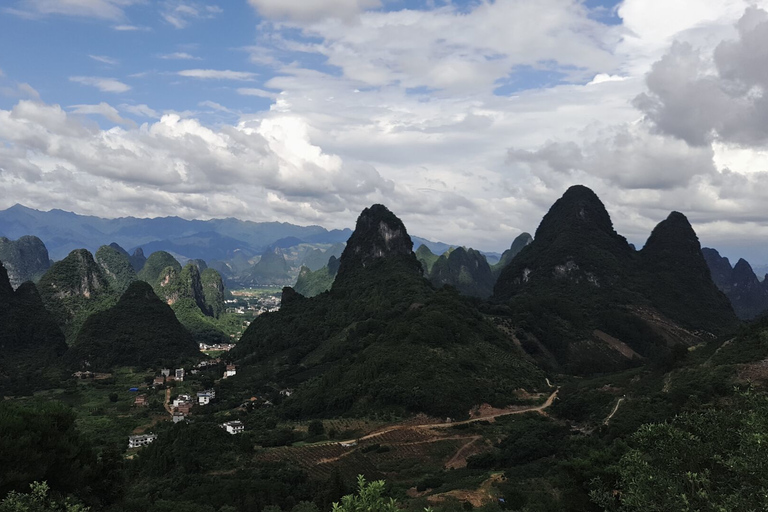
(451, 49)
(101, 83)
(311, 10)
(217, 74)
(701, 98)
(628, 157)
(217, 171)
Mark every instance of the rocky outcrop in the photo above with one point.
(25, 259)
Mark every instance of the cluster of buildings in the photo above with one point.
(217, 346)
(166, 376)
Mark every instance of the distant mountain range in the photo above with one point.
(215, 239)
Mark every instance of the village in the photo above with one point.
(180, 407)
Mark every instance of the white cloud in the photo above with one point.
(178, 56)
(217, 74)
(310, 10)
(216, 106)
(28, 91)
(103, 109)
(176, 165)
(180, 13)
(461, 52)
(251, 91)
(104, 59)
(101, 83)
(103, 9)
(701, 97)
(140, 110)
(130, 28)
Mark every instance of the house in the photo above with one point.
(165, 372)
(349, 444)
(184, 408)
(233, 427)
(159, 382)
(180, 374)
(181, 399)
(205, 397)
(286, 392)
(178, 416)
(230, 371)
(141, 401)
(83, 375)
(140, 440)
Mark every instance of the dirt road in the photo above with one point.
(486, 417)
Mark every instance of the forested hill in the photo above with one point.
(587, 301)
(382, 339)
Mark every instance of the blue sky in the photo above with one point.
(467, 118)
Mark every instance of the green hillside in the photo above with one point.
(140, 330)
(74, 288)
(382, 339)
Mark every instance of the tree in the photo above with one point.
(368, 499)
(712, 460)
(316, 428)
(37, 500)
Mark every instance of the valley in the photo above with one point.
(523, 385)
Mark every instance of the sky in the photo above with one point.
(467, 118)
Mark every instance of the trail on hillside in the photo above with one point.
(485, 417)
(616, 408)
(167, 403)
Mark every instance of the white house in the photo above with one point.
(231, 371)
(181, 399)
(140, 440)
(233, 427)
(177, 417)
(205, 397)
(180, 374)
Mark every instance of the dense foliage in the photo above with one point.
(382, 338)
(117, 268)
(140, 330)
(579, 276)
(467, 270)
(31, 343)
(156, 263)
(311, 283)
(40, 442)
(73, 289)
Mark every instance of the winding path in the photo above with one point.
(491, 416)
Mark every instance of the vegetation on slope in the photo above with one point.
(31, 343)
(467, 270)
(140, 330)
(579, 278)
(73, 289)
(383, 338)
(117, 267)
